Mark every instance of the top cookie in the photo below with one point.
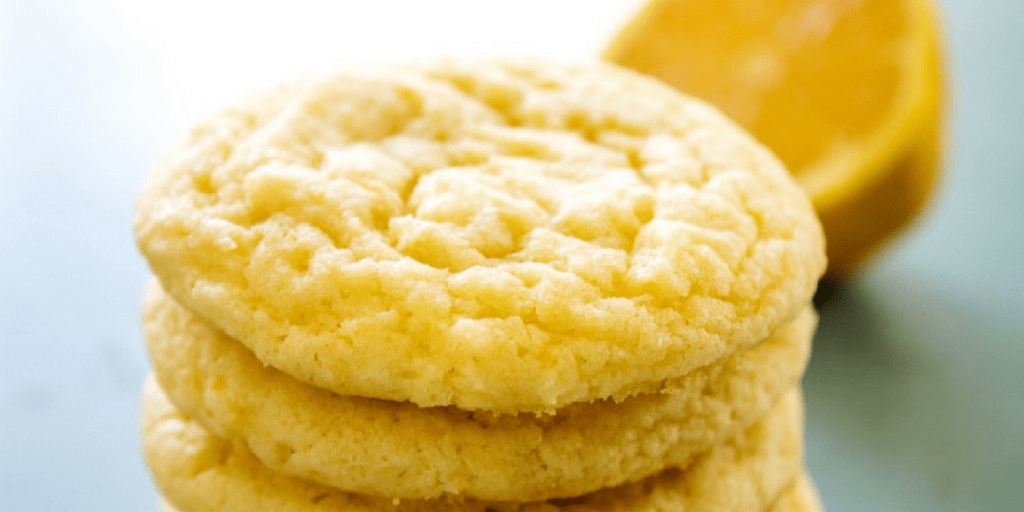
(509, 236)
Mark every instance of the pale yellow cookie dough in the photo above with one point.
(802, 497)
(380, 447)
(490, 235)
(199, 472)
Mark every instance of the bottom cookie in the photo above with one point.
(199, 472)
(800, 498)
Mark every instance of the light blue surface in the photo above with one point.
(915, 392)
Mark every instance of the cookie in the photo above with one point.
(503, 236)
(199, 472)
(802, 497)
(399, 450)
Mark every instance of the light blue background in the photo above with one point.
(915, 392)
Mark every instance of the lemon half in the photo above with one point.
(846, 92)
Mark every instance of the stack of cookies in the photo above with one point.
(477, 286)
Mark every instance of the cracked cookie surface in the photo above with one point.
(506, 236)
(380, 447)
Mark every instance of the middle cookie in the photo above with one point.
(400, 450)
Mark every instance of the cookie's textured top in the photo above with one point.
(502, 236)
(399, 450)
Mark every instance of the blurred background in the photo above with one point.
(916, 387)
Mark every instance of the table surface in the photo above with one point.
(915, 391)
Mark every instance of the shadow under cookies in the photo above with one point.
(913, 385)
